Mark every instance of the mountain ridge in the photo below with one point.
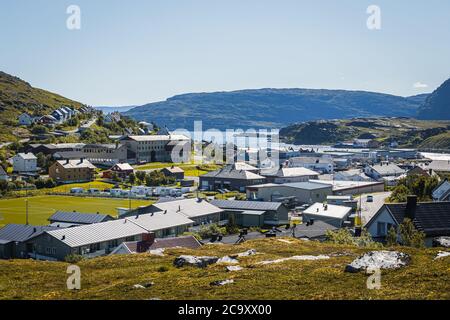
(437, 105)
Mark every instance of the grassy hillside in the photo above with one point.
(18, 96)
(114, 277)
(407, 132)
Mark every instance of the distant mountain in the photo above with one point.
(437, 105)
(272, 108)
(107, 110)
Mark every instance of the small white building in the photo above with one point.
(319, 164)
(331, 214)
(24, 163)
(25, 119)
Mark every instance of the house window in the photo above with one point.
(381, 228)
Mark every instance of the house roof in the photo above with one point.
(178, 242)
(76, 163)
(246, 205)
(174, 169)
(21, 232)
(157, 137)
(27, 156)
(229, 172)
(294, 172)
(123, 166)
(311, 185)
(244, 166)
(310, 160)
(318, 229)
(117, 229)
(433, 218)
(2, 171)
(339, 185)
(188, 207)
(437, 165)
(329, 210)
(78, 217)
(387, 169)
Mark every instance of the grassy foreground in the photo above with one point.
(42, 207)
(114, 277)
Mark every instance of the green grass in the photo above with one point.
(190, 170)
(42, 207)
(113, 277)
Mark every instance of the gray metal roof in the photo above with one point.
(78, 217)
(229, 172)
(21, 232)
(306, 185)
(246, 205)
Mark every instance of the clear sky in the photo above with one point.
(139, 51)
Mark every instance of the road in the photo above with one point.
(5, 144)
(370, 208)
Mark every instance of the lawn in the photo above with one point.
(42, 207)
(113, 277)
(190, 170)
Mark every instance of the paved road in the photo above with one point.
(370, 208)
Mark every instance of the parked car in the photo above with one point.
(369, 198)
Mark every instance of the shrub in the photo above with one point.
(207, 231)
(163, 269)
(344, 236)
(73, 258)
(410, 236)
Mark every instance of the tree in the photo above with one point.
(392, 237)
(410, 236)
(140, 175)
(400, 194)
(132, 178)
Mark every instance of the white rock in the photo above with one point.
(301, 258)
(221, 282)
(227, 260)
(442, 254)
(157, 252)
(285, 241)
(234, 268)
(442, 242)
(201, 262)
(379, 260)
(247, 253)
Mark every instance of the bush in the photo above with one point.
(73, 258)
(207, 231)
(344, 236)
(163, 269)
(410, 236)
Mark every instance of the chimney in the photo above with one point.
(147, 240)
(67, 161)
(411, 206)
(81, 160)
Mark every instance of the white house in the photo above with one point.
(24, 163)
(331, 214)
(319, 164)
(385, 171)
(25, 119)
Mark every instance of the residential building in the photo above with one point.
(420, 171)
(47, 120)
(439, 166)
(99, 239)
(175, 172)
(122, 170)
(72, 219)
(70, 171)
(14, 240)
(3, 174)
(112, 117)
(352, 187)
(331, 214)
(24, 163)
(351, 175)
(318, 164)
(442, 191)
(253, 213)
(25, 119)
(366, 143)
(152, 148)
(432, 218)
(289, 175)
(229, 178)
(197, 210)
(301, 192)
(385, 171)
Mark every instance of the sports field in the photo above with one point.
(42, 207)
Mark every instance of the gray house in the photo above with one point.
(99, 239)
(72, 219)
(14, 240)
(230, 178)
(253, 213)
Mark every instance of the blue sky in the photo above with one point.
(139, 51)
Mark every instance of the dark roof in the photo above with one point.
(182, 242)
(246, 205)
(317, 229)
(21, 232)
(433, 218)
(79, 218)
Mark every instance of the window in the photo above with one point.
(381, 228)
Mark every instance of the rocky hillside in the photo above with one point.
(281, 270)
(437, 105)
(272, 108)
(407, 132)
